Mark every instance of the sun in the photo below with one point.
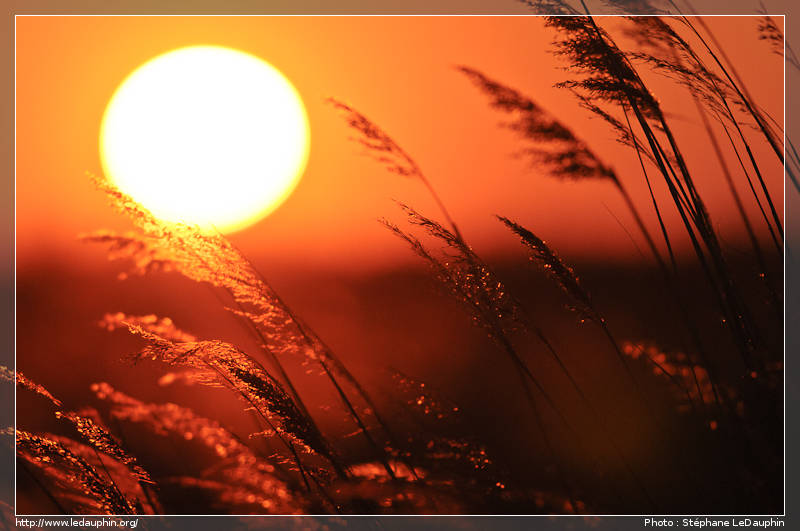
(206, 135)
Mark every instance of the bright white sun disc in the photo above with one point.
(206, 135)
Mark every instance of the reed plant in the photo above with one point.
(419, 458)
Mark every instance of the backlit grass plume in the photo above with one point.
(471, 281)
(557, 269)
(209, 257)
(554, 145)
(581, 301)
(555, 148)
(386, 151)
(239, 478)
(103, 441)
(70, 479)
(671, 55)
(9, 376)
(605, 74)
(226, 366)
(466, 275)
(104, 477)
(162, 327)
(379, 144)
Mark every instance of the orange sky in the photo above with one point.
(398, 71)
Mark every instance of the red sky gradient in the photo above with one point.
(399, 72)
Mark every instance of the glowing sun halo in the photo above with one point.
(206, 135)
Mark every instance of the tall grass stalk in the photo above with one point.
(612, 77)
